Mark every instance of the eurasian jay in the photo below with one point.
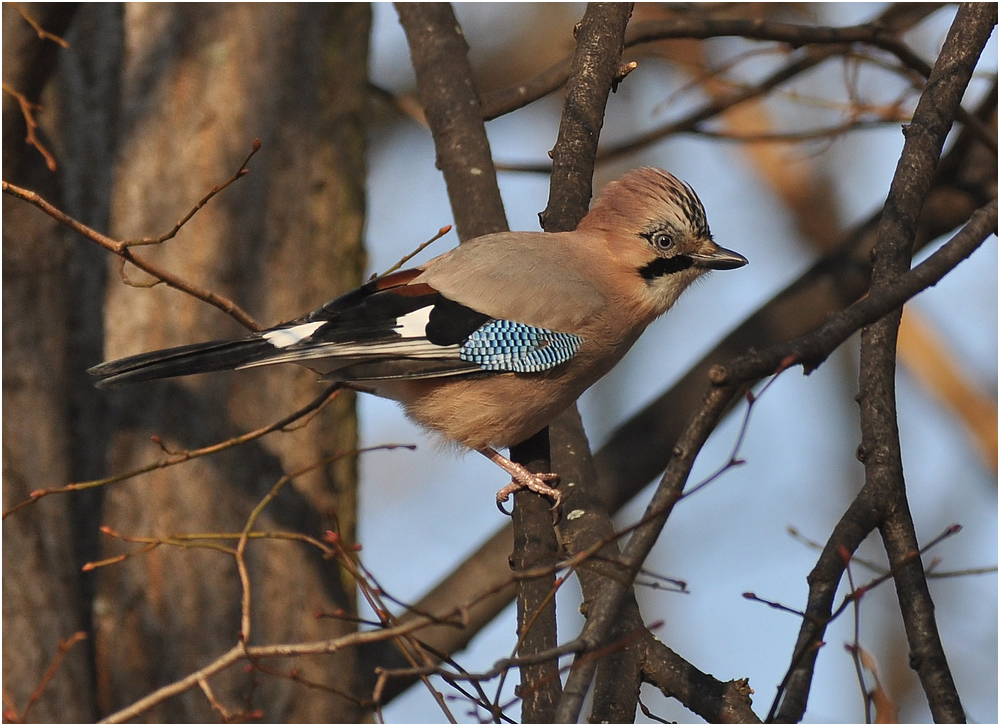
(489, 342)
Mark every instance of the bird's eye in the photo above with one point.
(662, 240)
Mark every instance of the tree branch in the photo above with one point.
(600, 37)
(883, 33)
(713, 700)
(454, 113)
(880, 449)
(596, 65)
(122, 249)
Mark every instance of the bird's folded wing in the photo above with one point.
(390, 328)
(394, 327)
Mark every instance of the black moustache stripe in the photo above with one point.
(665, 266)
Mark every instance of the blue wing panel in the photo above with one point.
(502, 345)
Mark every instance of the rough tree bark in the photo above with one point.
(40, 583)
(197, 85)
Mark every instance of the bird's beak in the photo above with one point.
(719, 259)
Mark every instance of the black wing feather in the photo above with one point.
(185, 360)
(359, 334)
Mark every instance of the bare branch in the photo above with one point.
(239, 652)
(595, 69)
(883, 33)
(880, 449)
(28, 111)
(62, 649)
(42, 33)
(713, 700)
(179, 457)
(452, 107)
(121, 249)
(255, 147)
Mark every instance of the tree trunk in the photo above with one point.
(41, 584)
(198, 83)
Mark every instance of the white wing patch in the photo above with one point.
(411, 343)
(414, 324)
(285, 337)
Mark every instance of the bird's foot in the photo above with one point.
(538, 483)
(522, 479)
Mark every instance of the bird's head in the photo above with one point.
(656, 225)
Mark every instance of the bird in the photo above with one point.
(487, 343)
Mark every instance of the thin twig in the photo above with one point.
(410, 255)
(241, 546)
(121, 248)
(27, 109)
(240, 652)
(43, 34)
(255, 147)
(855, 648)
(62, 649)
(875, 34)
(179, 457)
(374, 594)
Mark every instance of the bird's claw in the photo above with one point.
(538, 483)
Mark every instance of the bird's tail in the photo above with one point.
(182, 361)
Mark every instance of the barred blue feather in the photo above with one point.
(503, 345)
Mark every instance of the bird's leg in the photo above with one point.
(521, 479)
